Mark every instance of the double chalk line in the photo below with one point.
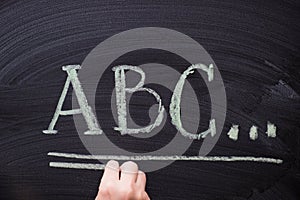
(149, 158)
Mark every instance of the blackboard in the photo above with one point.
(255, 45)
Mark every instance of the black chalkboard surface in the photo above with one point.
(255, 45)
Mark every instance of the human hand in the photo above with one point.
(123, 182)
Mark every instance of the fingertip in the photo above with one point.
(142, 174)
(112, 164)
(129, 166)
(129, 172)
(141, 179)
(111, 171)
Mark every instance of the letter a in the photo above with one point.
(84, 109)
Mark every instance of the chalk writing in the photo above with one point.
(176, 98)
(85, 109)
(271, 130)
(150, 158)
(121, 104)
(121, 90)
(233, 132)
(253, 133)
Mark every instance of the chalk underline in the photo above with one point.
(77, 165)
(169, 158)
